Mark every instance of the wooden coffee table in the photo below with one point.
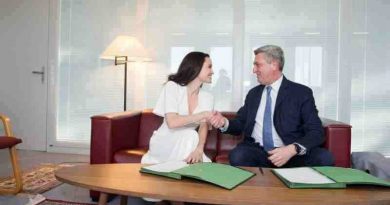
(264, 188)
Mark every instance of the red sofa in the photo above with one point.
(124, 137)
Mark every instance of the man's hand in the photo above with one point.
(280, 156)
(217, 120)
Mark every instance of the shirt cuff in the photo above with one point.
(225, 127)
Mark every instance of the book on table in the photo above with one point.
(223, 175)
(326, 177)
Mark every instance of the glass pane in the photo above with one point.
(177, 55)
(222, 79)
(88, 85)
(308, 66)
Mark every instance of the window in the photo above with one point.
(222, 79)
(177, 55)
(335, 47)
(308, 66)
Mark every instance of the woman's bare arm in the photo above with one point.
(175, 120)
(197, 154)
(203, 130)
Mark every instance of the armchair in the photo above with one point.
(10, 142)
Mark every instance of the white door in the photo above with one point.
(23, 68)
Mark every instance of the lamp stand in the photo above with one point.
(122, 60)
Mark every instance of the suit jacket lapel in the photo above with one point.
(282, 92)
(255, 106)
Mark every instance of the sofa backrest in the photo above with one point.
(212, 140)
(149, 123)
(228, 142)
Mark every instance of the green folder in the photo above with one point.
(223, 175)
(326, 177)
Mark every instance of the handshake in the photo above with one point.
(215, 118)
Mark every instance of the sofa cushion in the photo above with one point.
(8, 142)
(211, 153)
(223, 157)
(129, 155)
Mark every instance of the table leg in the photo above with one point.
(123, 200)
(103, 198)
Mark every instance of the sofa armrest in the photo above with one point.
(338, 141)
(112, 132)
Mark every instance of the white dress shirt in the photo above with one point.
(257, 133)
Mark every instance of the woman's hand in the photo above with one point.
(195, 156)
(206, 115)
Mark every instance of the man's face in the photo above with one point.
(265, 72)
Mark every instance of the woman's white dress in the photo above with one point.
(175, 144)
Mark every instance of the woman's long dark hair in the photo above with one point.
(189, 68)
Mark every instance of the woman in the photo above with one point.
(184, 107)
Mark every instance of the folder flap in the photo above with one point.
(351, 176)
(222, 175)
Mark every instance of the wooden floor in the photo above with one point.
(31, 159)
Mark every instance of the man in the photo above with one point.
(279, 120)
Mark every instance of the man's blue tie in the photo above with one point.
(268, 142)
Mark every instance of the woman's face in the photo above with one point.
(205, 75)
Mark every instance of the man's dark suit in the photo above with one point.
(295, 120)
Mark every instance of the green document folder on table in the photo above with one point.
(225, 176)
(326, 177)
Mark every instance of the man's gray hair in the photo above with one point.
(272, 52)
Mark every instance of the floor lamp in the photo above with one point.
(124, 49)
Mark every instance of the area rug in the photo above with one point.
(37, 180)
(59, 202)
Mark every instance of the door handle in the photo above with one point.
(42, 73)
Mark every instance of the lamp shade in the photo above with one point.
(126, 46)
